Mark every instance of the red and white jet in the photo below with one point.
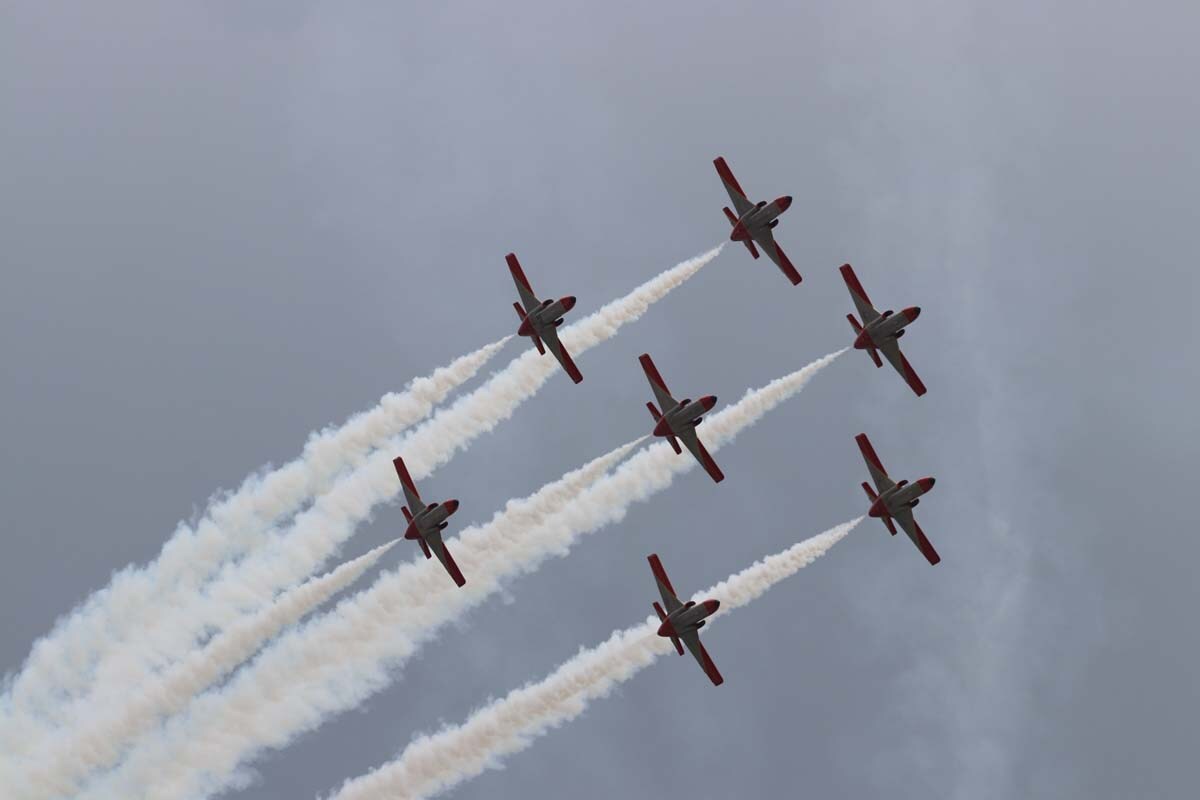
(895, 501)
(426, 522)
(879, 332)
(678, 419)
(540, 318)
(755, 221)
(682, 621)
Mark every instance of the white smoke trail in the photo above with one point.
(71, 660)
(378, 629)
(433, 764)
(98, 740)
(527, 512)
(316, 534)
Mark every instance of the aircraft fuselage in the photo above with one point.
(431, 519)
(689, 616)
(547, 315)
(760, 216)
(686, 414)
(887, 325)
(902, 495)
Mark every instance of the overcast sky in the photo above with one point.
(224, 225)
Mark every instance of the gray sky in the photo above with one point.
(226, 226)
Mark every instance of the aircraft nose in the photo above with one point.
(451, 506)
(927, 483)
(784, 203)
(711, 606)
(708, 402)
(912, 313)
(568, 302)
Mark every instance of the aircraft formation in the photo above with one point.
(676, 421)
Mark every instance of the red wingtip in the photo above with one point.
(660, 574)
(515, 268)
(727, 174)
(864, 445)
(652, 371)
(405, 478)
(852, 282)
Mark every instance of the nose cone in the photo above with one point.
(711, 606)
(912, 312)
(568, 302)
(451, 506)
(784, 203)
(708, 402)
(927, 483)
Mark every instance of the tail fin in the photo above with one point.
(663, 618)
(750, 246)
(657, 416)
(729, 216)
(870, 492)
(870, 350)
(424, 547)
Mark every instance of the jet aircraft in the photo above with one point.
(880, 331)
(894, 502)
(684, 620)
(754, 222)
(426, 522)
(678, 419)
(540, 318)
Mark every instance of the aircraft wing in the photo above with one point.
(874, 466)
(657, 384)
(692, 442)
(692, 639)
(910, 526)
(528, 298)
(550, 337)
(443, 554)
(891, 351)
(410, 489)
(740, 202)
(766, 240)
(670, 600)
(862, 303)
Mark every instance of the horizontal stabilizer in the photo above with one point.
(537, 340)
(750, 246)
(424, 547)
(662, 616)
